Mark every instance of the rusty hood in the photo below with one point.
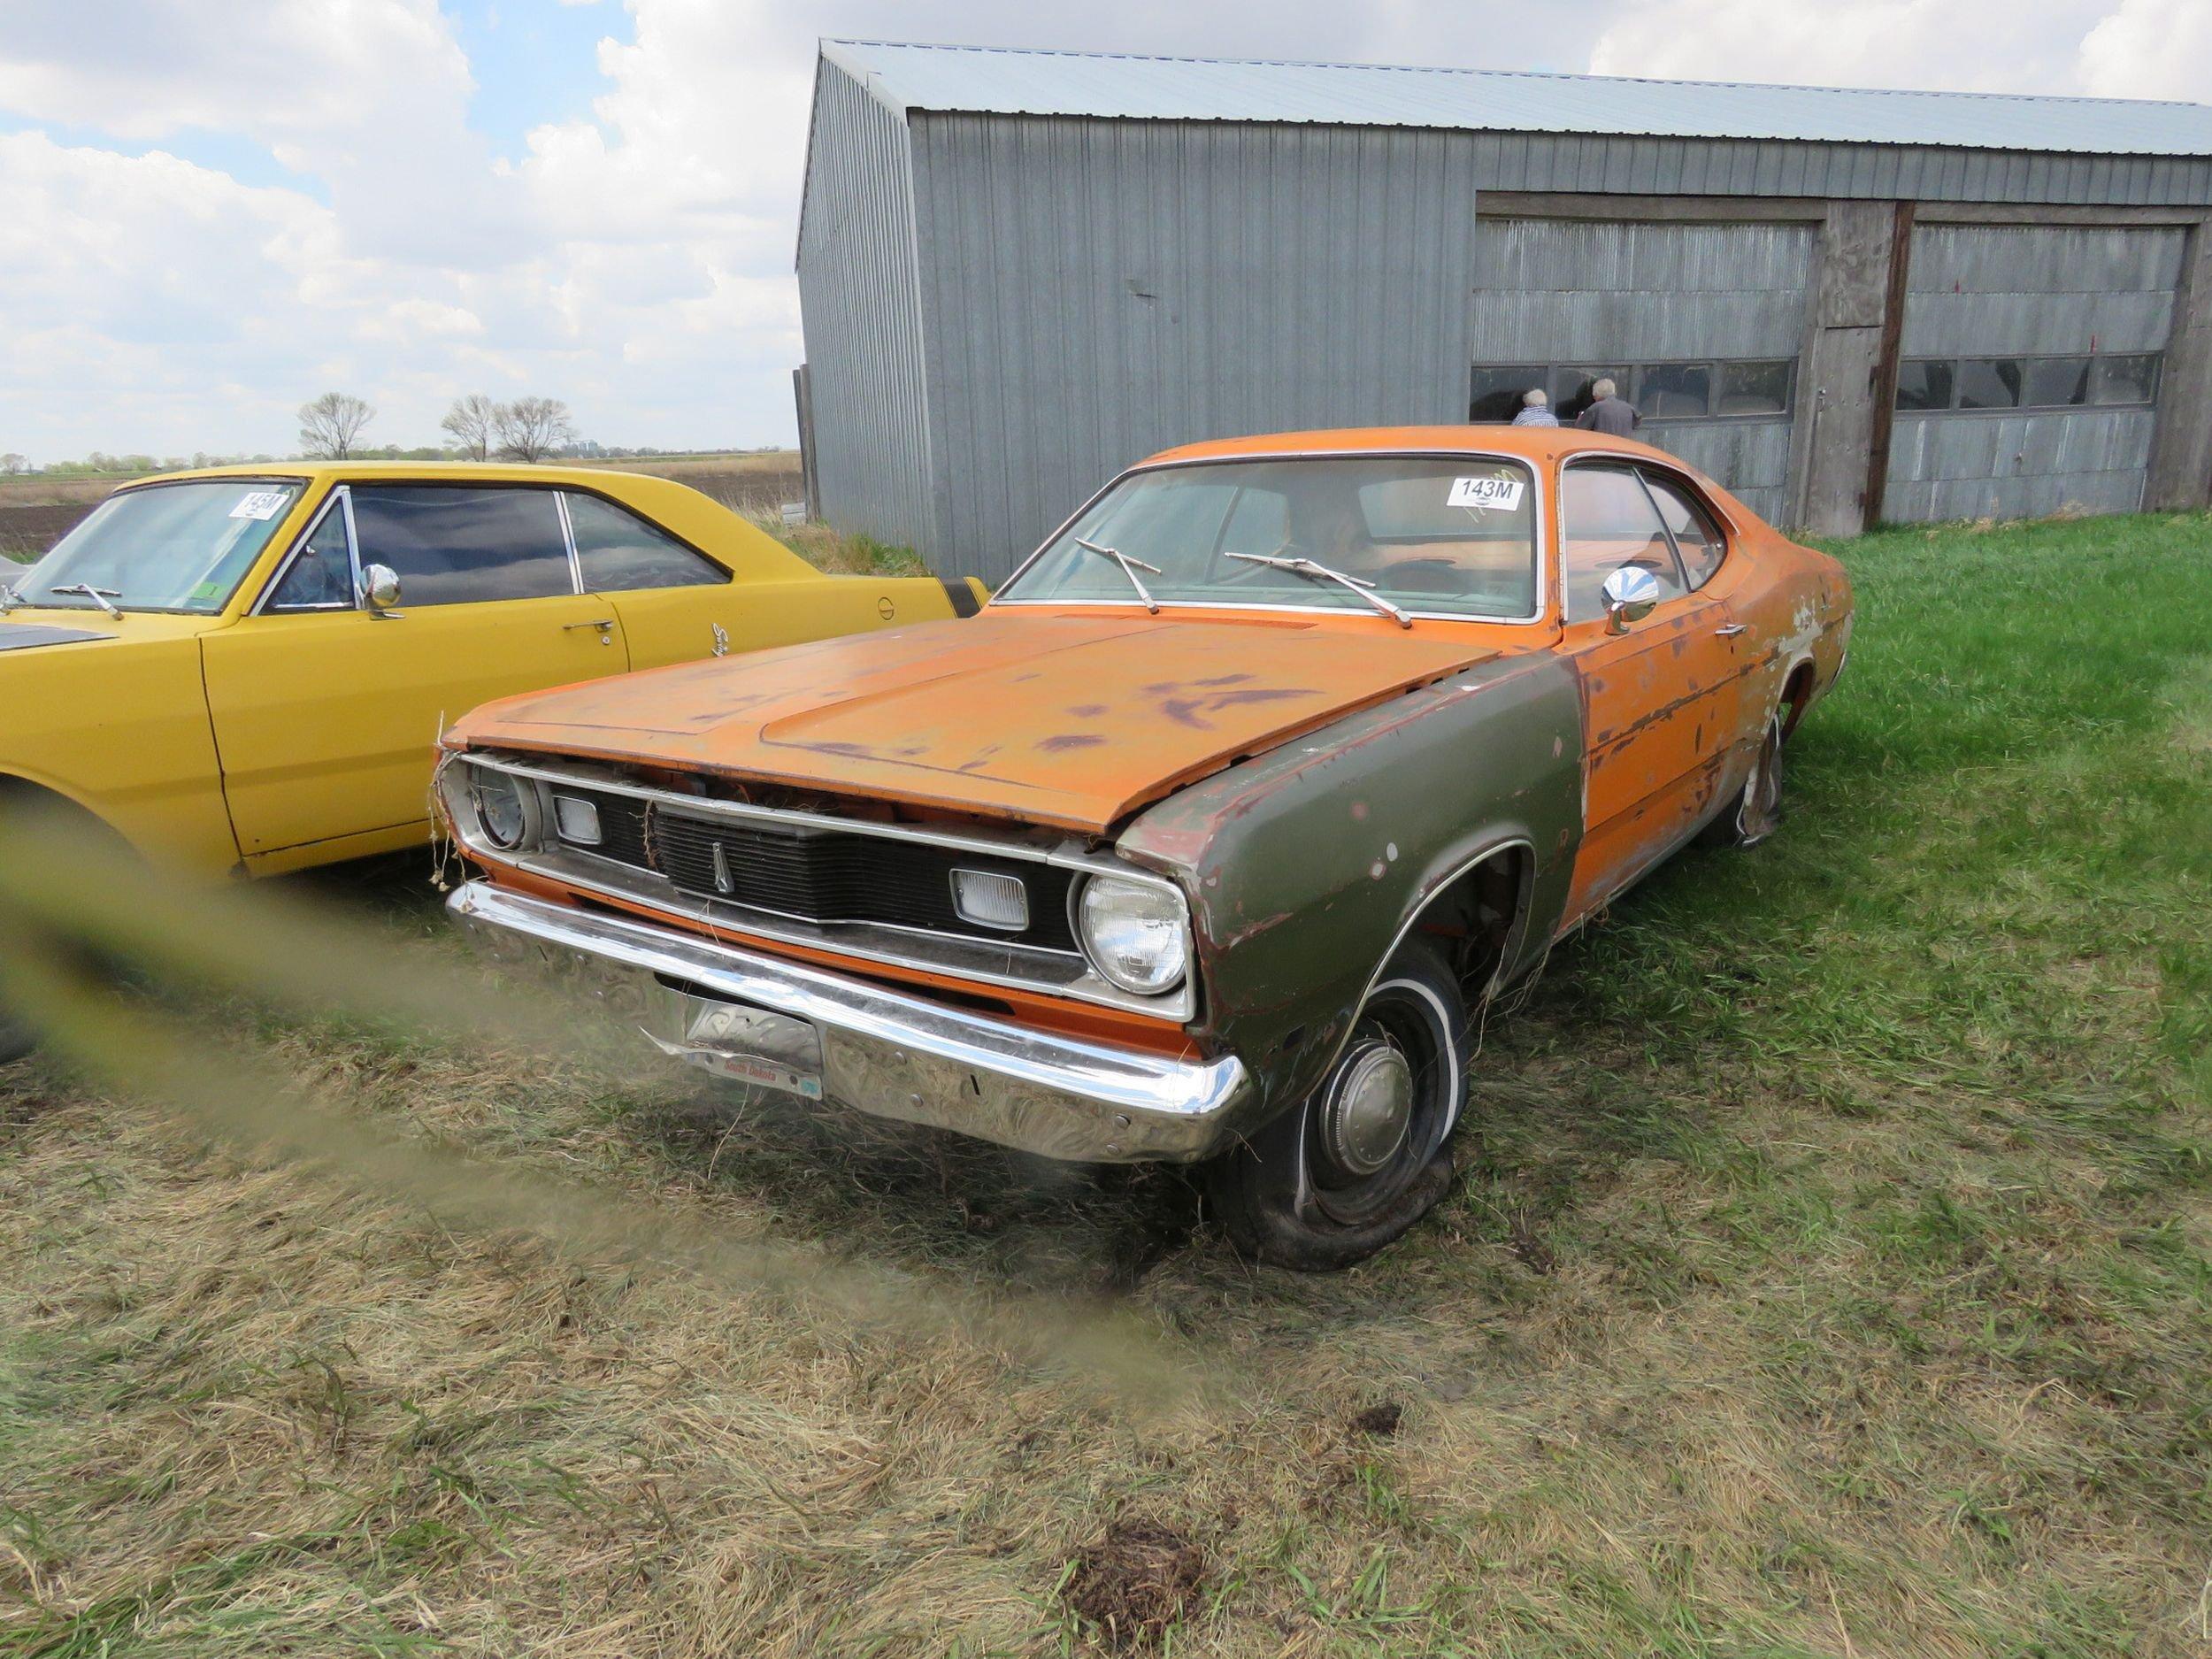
(1073, 720)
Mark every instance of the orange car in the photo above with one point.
(1203, 839)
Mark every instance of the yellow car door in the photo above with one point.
(677, 605)
(671, 598)
(326, 710)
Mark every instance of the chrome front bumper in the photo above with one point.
(747, 1013)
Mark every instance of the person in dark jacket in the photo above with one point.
(1609, 414)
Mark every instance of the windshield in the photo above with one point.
(167, 546)
(1451, 535)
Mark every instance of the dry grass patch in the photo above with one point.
(1830, 1273)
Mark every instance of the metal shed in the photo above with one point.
(1021, 271)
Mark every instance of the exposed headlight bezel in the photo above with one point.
(529, 807)
(1168, 910)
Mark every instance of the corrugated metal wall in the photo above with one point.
(1614, 165)
(1980, 290)
(1605, 289)
(1613, 291)
(1095, 291)
(861, 303)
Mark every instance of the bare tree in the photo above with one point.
(531, 428)
(472, 420)
(12, 463)
(333, 424)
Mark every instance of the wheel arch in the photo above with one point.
(1797, 691)
(17, 788)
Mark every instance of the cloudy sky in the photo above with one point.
(215, 209)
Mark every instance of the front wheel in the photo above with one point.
(15, 1038)
(1365, 1156)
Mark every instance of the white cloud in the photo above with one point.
(2151, 48)
(2125, 49)
(635, 259)
(1897, 43)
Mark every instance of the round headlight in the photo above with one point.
(499, 807)
(1133, 932)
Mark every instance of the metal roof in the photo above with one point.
(1003, 81)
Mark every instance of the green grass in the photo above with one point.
(1831, 1273)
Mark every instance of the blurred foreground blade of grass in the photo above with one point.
(1830, 1273)
(85, 917)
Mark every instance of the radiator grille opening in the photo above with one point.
(821, 874)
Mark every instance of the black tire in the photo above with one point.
(15, 1039)
(1305, 1193)
(59, 823)
(1756, 812)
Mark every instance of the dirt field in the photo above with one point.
(1829, 1274)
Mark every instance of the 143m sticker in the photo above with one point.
(1498, 490)
(260, 503)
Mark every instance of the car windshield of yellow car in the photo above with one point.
(1451, 535)
(167, 546)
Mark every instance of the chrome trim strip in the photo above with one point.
(340, 501)
(953, 955)
(568, 540)
(1540, 520)
(899, 1055)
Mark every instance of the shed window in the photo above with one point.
(2056, 382)
(1498, 390)
(1990, 382)
(2000, 383)
(1749, 388)
(1754, 388)
(1673, 389)
(1924, 385)
(2133, 379)
(1573, 387)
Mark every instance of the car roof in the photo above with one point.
(1530, 444)
(355, 471)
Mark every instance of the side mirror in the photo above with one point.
(1629, 593)
(380, 588)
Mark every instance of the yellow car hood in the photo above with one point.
(39, 627)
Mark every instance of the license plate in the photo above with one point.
(752, 1045)
(743, 1068)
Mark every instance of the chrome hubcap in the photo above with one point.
(1369, 1110)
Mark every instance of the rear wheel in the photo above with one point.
(1353, 1166)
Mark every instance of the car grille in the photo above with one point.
(823, 876)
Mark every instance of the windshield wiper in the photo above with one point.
(1129, 568)
(100, 597)
(1303, 566)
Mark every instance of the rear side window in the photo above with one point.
(457, 546)
(619, 551)
(320, 577)
(1611, 523)
(1695, 535)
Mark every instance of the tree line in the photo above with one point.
(528, 429)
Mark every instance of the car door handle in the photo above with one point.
(605, 625)
(1731, 630)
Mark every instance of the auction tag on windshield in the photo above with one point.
(260, 503)
(1495, 491)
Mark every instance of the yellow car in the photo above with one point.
(246, 669)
